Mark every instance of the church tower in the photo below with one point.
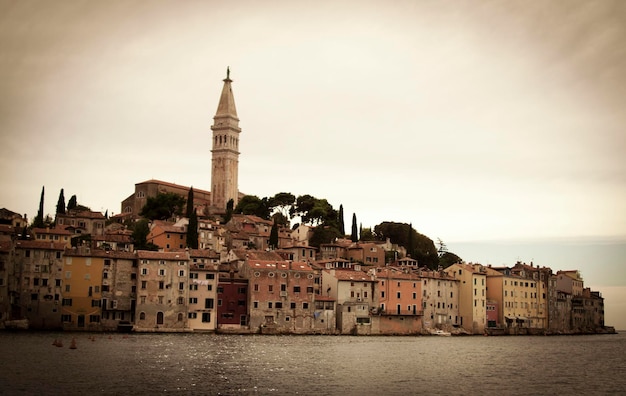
(225, 152)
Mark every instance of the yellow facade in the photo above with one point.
(82, 282)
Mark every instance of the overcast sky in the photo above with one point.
(472, 120)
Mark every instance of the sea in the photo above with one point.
(213, 364)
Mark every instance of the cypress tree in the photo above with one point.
(409, 248)
(354, 236)
(274, 236)
(38, 222)
(342, 227)
(72, 203)
(192, 231)
(190, 208)
(61, 203)
(230, 207)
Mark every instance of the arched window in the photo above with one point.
(160, 318)
(180, 317)
(142, 316)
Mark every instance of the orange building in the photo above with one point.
(399, 297)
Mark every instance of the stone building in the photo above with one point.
(203, 283)
(440, 300)
(281, 296)
(38, 280)
(472, 295)
(163, 290)
(399, 301)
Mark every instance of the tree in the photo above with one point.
(72, 203)
(230, 207)
(409, 237)
(162, 207)
(283, 203)
(190, 208)
(354, 237)
(324, 234)
(274, 236)
(448, 258)
(192, 231)
(141, 229)
(61, 203)
(38, 222)
(253, 205)
(367, 235)
(423, 248)
(342, 227)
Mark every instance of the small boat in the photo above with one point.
(442, 333)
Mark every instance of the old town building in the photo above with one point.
(472, 295)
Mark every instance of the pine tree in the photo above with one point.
(342, 227)
(190, 208)
(72, 203)
(38, 222)
(192, 231)
(61, 203)
(274, 236)
(354, 236)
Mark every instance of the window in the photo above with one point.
(193, 275)
(161, 271)
(210, 276)
(256, 287)
(95, 303)
(255, 304)
(193, 287)
(161, 285)
(160, 301)
(305, 305)
(192, 315)
(271, 288)
(144, 284)
(208, 303)
(181, 272)
(142, 299)
(398, 295)
(66, 318)
(296, 289)
(144, 271)
(193, 300)
(279, 304)
(180, 301)
(68, 274)
(292, 305)
(94, 318)
(309, 289)
(269, 304)
(67, 302)
(181, 285)
(206, 317)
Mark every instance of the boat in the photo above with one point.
(442, 333)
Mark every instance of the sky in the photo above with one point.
(497, 126)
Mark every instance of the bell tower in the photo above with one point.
(225, 151)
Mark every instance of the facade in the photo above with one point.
(167, 236)
(82, 294)
(203, 278)
(119, 287)
(232, 302)
(570, 282)
(440, 300)
(225, 142)
(36, 292)
(56, 235)
(366, 253)
(354, 293)
(82, 222)
(472, 295)
(399, 300)
(163, 290)
(281, 296)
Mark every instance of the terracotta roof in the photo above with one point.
(278, 265)
(155, 181)
(395, 273)
(53, 231)
(150, 255)
(244, 254)
(39, 245)
(348, 275)
(203, 253)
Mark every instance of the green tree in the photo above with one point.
(141, 229)
(283, 203)
(72, 203)
(192, 231)
(253, 205)
(38, 222)
(342, 227)
(410, 250)
(448, 258)
(230, 207)
(423, 248)
(190, 208)
(324, 234)
(61, 203)
(354, 236)
(163, 207)
(367, 235)
(274, 236)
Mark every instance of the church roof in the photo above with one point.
(226, 107)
